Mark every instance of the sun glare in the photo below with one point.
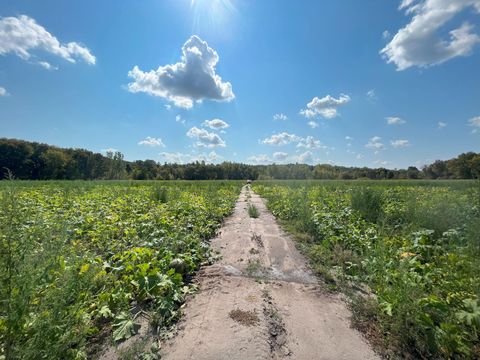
(213, 14)
(213, 3)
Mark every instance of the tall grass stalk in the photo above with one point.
(253, 211)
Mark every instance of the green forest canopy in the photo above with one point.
(35, 161)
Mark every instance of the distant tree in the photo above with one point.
(461, 166)
(413, 172)
(16, 156)
(55, 164)
(116, 166)
(436, 170)
(474, 164)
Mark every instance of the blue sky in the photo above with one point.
(357, 83)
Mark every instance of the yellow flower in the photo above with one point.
(407, 254)
(84, 268)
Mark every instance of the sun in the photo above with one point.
(210, 2)
(213, 5)
(212, 12)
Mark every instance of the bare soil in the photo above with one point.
(247, 318)
(260, 301)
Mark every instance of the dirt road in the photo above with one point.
(261, 302)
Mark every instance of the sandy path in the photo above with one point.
(283, 311)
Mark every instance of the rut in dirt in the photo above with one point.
(260, 301)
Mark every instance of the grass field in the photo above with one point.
(407, 251)
(80, 260)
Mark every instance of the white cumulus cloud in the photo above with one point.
(3, 91)
(280, 117)
(304, 158)
(22, 35)
(216, 124)
(193, 79)
(205, 138)
(213, 156)
(259, 159)
(183, 158)
(311, 143)
(280, 139)
(400, 143)
(151, 141)
(285, 138)
(420, 44)
(313, 124)
(279, 155)
(47, 65)
(177, 158)
(441, 125)
(179, 119)
(325, 107)
(383, 162)
(375, 144)
(395, 120)
(475, 123)
(371, 95)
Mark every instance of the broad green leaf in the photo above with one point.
(124, 327)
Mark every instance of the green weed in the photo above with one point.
(160, 194)
(253, 211)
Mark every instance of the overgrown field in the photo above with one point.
(80, 260)
(408, 251)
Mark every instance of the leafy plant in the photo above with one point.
(124, 327)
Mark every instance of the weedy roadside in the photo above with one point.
(409, 249)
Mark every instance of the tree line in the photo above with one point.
(35, 161)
